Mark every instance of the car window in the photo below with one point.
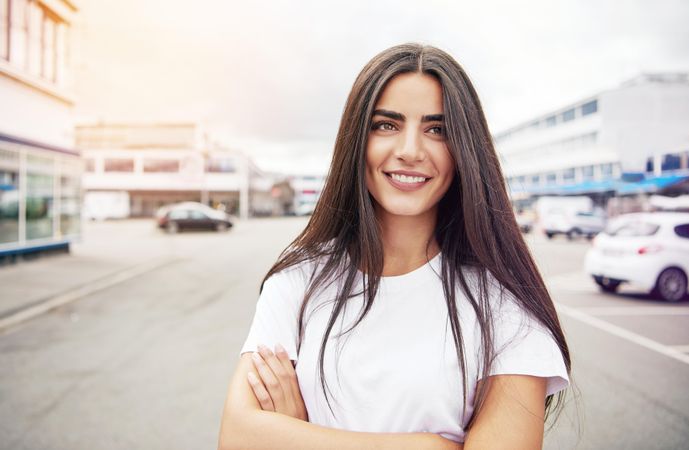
(682, 230)
(179, 214)
(632, 229)
(198, 215)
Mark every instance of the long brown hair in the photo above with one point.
(475, 226)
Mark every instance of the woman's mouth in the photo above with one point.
(406, 183)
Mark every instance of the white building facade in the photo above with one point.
(39, 167)
(607, 143)
(153, 165)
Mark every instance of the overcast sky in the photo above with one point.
(271, 77)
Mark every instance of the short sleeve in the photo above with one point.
(276, 316)
(524, 346)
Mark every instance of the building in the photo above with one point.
(307, 191)
(134, 169)
(39, 167)
(630, 140)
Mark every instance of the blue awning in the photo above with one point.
(649, 185)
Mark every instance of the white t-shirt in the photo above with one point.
(397, 371)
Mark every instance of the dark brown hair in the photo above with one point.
(475, 225)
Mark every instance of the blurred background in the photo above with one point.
(156, 156)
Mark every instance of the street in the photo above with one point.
(144, 360)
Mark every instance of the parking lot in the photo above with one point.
(140, 353)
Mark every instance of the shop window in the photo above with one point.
(9, 205)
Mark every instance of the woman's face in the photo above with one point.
(408, 165)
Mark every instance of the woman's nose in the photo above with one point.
(410, 148)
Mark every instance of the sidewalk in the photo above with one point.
(109, 252)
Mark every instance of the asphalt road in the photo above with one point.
(145, 363)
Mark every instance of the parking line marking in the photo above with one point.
(620, 332)
(636, 310)
(681, 348)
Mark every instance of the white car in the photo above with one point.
(573, 223)
(649, 250)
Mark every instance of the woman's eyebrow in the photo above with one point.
(399, 116)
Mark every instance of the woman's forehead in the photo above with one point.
(412, 94)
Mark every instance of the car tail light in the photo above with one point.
(648, 249)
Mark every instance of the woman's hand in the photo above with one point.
(276, 387)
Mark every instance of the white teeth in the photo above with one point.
(406, 179)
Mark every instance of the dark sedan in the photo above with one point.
(176, 220)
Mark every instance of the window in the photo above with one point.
(48, 47)
(587, 172)
(18, 32)
(606, 169)
(550, 121)
(4, 29)
(551, 178)
(161, 165)
(221, 165)
(682, 230)
(198, 215)
(35, 39)
(179, 214)
(535, 180)
(9, 205)
(632, 229)
(118, 165)
(649, 165)
(568, 175)
(589, 108)
(568, 115)
(671, 162)
(90, 164)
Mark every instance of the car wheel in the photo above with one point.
(550, 235)
(221, 226)
(671, 285)
(607, 285)
(575, 232)
(172, 227)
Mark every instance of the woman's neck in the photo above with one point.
(408, 241)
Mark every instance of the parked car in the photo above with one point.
(192, 216)
(650, 250)
(573, 223)
(525, 220)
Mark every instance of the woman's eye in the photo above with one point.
(437, 130)
(385, 126)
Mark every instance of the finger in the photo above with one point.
(278, 370)
(283, 357)
(270, 381)
(260, 392)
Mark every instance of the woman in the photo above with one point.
(410, 306)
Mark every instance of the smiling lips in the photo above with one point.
(407, 181)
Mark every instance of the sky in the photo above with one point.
(271, 77)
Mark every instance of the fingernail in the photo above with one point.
(263, 349)
(257, 357)
(280, 349)
(252, 378)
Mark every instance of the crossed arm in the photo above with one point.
(264, 410)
